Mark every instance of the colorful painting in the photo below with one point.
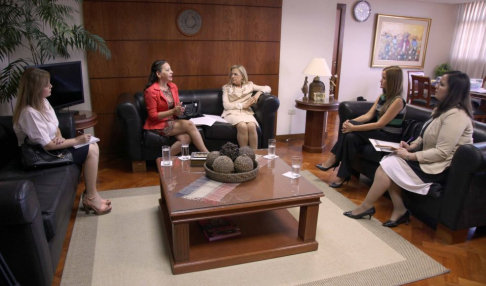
(400, 41)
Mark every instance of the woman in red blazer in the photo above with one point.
(163, 107)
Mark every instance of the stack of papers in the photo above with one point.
(384, 146)
(207, 119)
(91, 141)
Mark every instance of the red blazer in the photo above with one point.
(157, 102)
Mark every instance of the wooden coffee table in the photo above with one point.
(258, 207)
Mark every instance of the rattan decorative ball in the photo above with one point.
(243, 164)
(246, 150)
(231, 150)
(223, 164)
(211, 157)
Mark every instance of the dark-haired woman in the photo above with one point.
(163, 107)
(36, 123)
(383, 122)
(425, 161)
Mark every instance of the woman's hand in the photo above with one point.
(58, 140)
(347, 127)
(250, 102)
(405, 146)
(81, 139)
(178, 109)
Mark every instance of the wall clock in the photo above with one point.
(189, 22)
(362, 11)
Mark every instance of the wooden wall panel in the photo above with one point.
(105, 92)
(219, 22)
(134, 58)
(245, 32)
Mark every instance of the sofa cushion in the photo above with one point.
(56, 192)
(8, 142)
(220, 130)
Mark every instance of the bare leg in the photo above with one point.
(380, 185)
(396, 196)
(242, 135)
(90, 172)
(186, 126)
(252, 135)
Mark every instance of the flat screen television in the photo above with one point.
(67, 84)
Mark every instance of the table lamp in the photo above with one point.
(317, 67)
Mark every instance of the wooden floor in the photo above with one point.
(467, 261)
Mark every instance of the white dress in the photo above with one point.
(235, 97)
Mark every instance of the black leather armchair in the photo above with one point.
(35, 208)
(143, 145)
(461, 204)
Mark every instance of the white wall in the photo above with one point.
(308, 31)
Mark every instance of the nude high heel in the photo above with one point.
(103, 201)
(88, 205)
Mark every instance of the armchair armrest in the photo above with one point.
(463, 204)
(23, 242)
(66, 124)
(128, 112)
(265, 111)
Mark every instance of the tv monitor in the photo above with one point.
(67, 84)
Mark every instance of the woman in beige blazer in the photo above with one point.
(425, 161)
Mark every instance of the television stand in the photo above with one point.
(68, 111)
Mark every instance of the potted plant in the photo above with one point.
(442, 69)
(47, 30)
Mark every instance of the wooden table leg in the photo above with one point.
(308, 222)
(315, 131)
(180, 241)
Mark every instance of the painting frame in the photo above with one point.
(400, 41)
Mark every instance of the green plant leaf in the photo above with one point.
(10, 78)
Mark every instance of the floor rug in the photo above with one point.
(127, 247)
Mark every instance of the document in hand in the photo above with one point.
(203, 121)
(91, 141)
(384, 146)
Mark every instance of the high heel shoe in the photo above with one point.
(369, 213)
(320, 167)
(405, 218)
(88, 206)
(103, 201)
(338, 185)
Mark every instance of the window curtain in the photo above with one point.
(469, 45)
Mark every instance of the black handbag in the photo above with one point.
(193, 109)
(36, 157)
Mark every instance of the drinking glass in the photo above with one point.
(185, 151)
(166, 161)
(272, 146)
(296, 163)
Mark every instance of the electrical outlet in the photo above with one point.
(291, 111)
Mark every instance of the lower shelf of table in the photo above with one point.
(264, 235)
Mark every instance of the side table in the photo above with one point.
(315, 122)
(85, 119)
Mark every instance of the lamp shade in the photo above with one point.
(317, 67)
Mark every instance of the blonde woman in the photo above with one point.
(237, 101)
(35, 120)
(383, 122)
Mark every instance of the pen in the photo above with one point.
(410, 140)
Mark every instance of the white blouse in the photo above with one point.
(40, 128)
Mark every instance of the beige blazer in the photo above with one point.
(441, 140)
(234, 98)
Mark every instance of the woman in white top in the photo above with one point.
(237, 101)
(35, 122)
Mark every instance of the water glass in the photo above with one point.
(166, 161)
(185, 151)
(272, 146)
(296, 163)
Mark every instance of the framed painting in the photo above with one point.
(400, 41)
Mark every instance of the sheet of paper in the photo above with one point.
(479, 90)
(216, 117)
(204, 120)
(91, 141)
(389, 146)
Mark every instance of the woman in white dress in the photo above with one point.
(35, 120)
(425, 161)
(237, 101)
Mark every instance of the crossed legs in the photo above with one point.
(247, 134)
(186, 132)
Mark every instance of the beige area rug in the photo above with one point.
(126, 247)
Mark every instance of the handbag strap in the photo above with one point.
(60, 155)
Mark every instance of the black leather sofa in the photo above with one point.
(35, 208)
(461, 203)
(143, 145)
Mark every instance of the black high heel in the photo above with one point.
(369, 212)
(320, 167)
(405, 218)
(338, 185)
